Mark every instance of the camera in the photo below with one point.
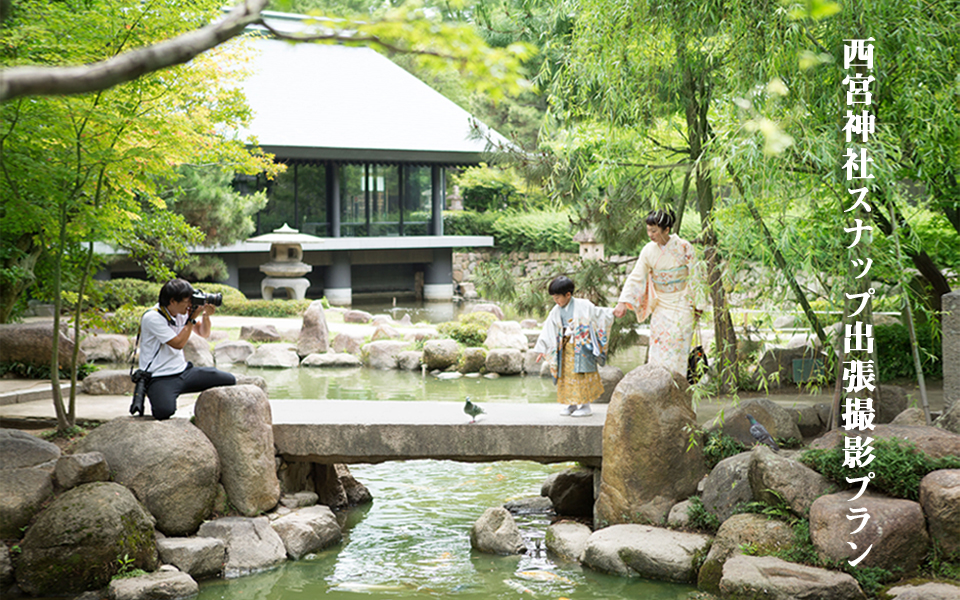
(199, 298)
(140, 380)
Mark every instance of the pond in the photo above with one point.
(413, 542)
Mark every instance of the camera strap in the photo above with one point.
(136, 344)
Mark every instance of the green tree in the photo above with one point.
(78, 169)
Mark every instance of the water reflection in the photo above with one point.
(413, 542)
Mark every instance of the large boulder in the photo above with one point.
(382, 354)
(940, 499)
(197, 556)
(278, 356)
(197, 351)
(74, 544)
(567, 539)
(932, 590)
(440, 354)
(776, 364)
(357, 316)
(891, 401)
(307, 530)
(410, 360)
(473, 360)
(950, 419)
(493, 309)
(32, 344)
(611, 377)
(115, 382)
(495, 532)
(230, 352)
(19, 449)
(106, 347)
(770, 578)
(252, 544)
(935, 442)
(774, 477)
(570, 492)
(331, 359)
(765, 535)
(314, 334)
(260, 333)
(171, 466)
(382, 331)
(504, 361)
(644, 551)
(348, 343)
(647, 466)
(238, 422)
(506, 334)
(76, 469)
(26, 478)
(779, 421)
(166, 584)
(895, 529)
(728, 485)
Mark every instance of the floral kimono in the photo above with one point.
(575, 348)
(661, 287)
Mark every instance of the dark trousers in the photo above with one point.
(163, 391)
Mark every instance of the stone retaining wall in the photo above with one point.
(525, 264)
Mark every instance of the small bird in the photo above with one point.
(473, 410)
(761, 434)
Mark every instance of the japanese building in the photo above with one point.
(367, 146)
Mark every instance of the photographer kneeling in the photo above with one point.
(164, 331)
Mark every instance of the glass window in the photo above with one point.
(312, 199)
(353, 201)
(384, 185)
(417, 200)
(281, 204)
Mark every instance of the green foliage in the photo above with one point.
(718, 446)
(485, 189)
(516, 231)
(241, 307)
(700, 517)
(468, 222)
(535, 231)
(22, 371)
(125, 320)
(120, 292)
(469, 329)
(895, 354)
(779, 509)
(127, 569)
(898, 467)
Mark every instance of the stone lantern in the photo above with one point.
(286, 268)
(590, 248)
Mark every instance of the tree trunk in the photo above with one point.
(698, 132)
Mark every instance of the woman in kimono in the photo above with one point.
(660, 288)
(575, 337)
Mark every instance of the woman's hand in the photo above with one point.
(620, 310)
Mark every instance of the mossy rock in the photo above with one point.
(78, 541)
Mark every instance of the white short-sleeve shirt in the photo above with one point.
(156, 356)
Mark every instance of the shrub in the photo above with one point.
(469, 329)
(119, 292)
(23, 371)
(241, 307)
(539, 231)
(895, 354)
(126, 319)
(718, 446)
(700, 517)
(468, 222)
(898, 467)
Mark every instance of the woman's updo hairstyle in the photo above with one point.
(661, 218)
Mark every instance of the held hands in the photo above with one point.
(620, 310)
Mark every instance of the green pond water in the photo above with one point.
(413, 542)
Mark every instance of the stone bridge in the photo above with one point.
(356, 431)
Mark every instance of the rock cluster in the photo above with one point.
(135, 493)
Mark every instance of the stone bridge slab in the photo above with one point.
(357, 431)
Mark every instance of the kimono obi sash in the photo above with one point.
(668, 281)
